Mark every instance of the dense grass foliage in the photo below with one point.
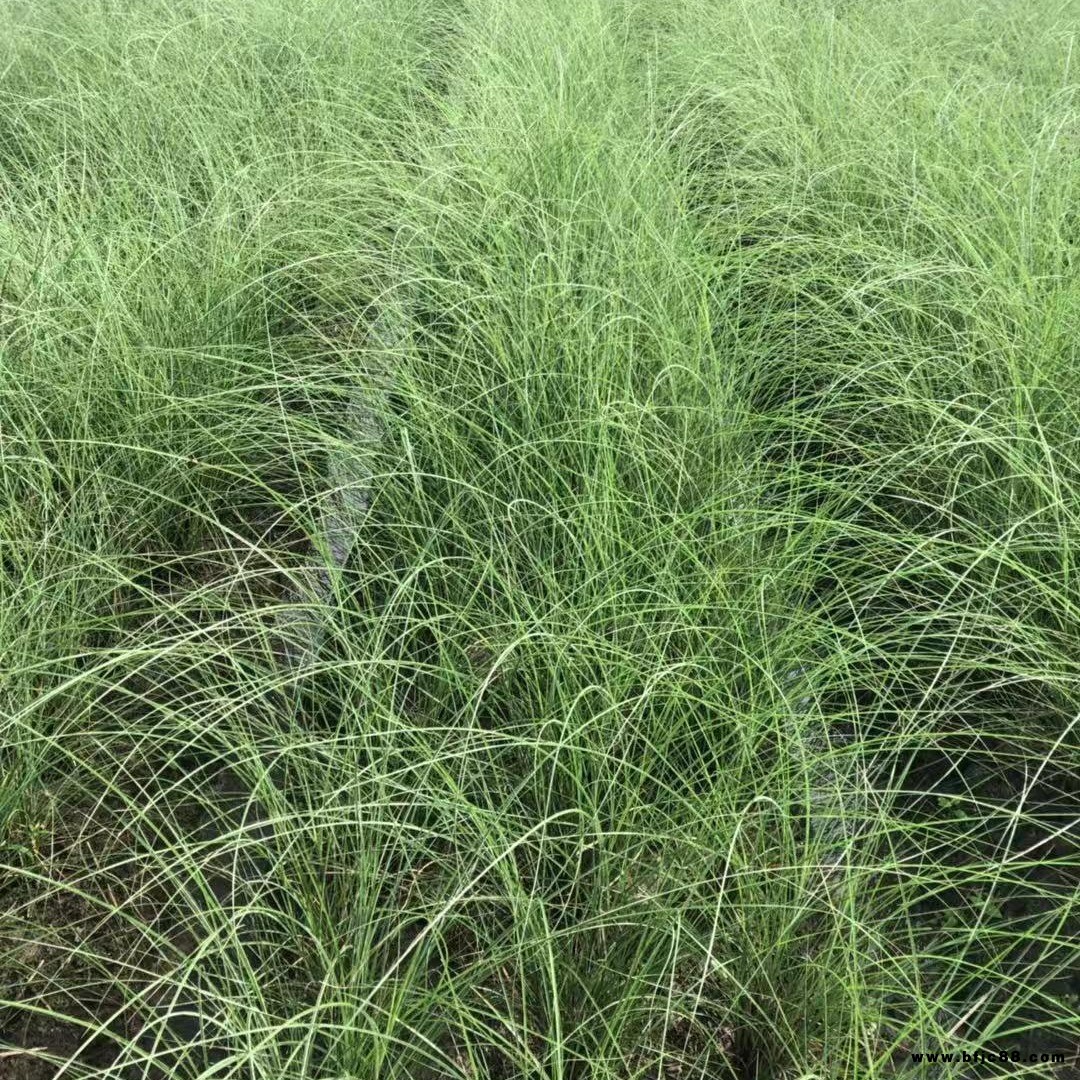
(696, 695)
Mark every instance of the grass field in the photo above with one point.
(539, 541)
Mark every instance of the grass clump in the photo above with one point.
(538, 543)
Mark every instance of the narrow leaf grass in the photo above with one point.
(695, 693)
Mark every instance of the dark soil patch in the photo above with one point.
(54, 957)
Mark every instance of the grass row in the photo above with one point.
(698, 696)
